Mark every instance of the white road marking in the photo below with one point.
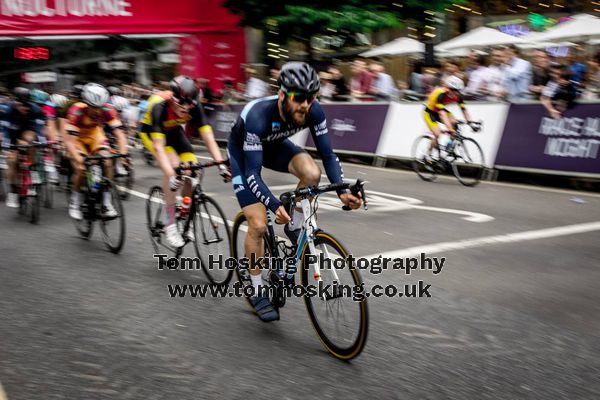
(513, 185)
(386, 202)
(491, 240)
(144, 196)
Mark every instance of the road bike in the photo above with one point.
(341, 322)
(462, 155)
(33, 186)
(202, 216)
(96, 184)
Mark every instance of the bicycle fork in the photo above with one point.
(309, 227)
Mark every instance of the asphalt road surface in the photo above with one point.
(514, 313)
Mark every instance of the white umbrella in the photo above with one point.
(536, 41)
(459, 53)
(397, 47)
(478, 38)
(580, 27)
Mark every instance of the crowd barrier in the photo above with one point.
(514, 136)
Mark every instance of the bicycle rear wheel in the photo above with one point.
(113, 228)
(212, 237)
(238, 237)
(420, 154)
(33, 205)
(47, 194)
(468, 164)
(341, 317)
(155, 212)
(3, 190)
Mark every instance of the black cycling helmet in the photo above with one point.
(114, 91)
(184, 89)
(22, 95)
(298, 76)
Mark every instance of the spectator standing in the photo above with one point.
(592, 82)
(451, 68)
(577, 69)
(361, 79)
(560, 92)
(416, 78)
(255, 88)
(205, 94)
(337, 79)
(382, 86)
(495, 90)
(517, 75)
(327, 87)
(478, 79)
(541, 72)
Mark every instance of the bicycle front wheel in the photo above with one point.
(468, 164)
(48, 194)
(113, 227)
(212, 238)
(85, 225)
(155, 215)
(125, 182)
(340, 317)
(238, 237)
(422, 154)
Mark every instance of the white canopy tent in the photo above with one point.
(580, 28)
(397, 47)
(536, 41)
(458, 53)
(479, 38)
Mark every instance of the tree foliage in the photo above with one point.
(307, 18)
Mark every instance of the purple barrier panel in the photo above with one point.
(354, 127)
(222, 117)
(532, 139)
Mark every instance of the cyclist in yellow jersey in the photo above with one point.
(162, 134)
(435, 108)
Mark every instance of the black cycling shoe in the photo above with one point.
(264, 309)
(293, 235)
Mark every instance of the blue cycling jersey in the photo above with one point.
(14, 123)
(261, 124)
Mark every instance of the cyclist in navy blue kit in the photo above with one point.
(22, 122)
(260, 138)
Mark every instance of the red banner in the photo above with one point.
(85, 17)
(213, 56)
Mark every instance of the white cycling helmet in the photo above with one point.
(94, 95)
(119, 102)
(59, 100)
(454, 83)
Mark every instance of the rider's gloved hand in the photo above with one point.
(175, 183)
(475, 126)
(225, 172)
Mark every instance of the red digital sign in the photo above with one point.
(32, 53)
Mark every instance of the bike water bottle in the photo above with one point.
(185, 207)
(96, 178)
(450, 144)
